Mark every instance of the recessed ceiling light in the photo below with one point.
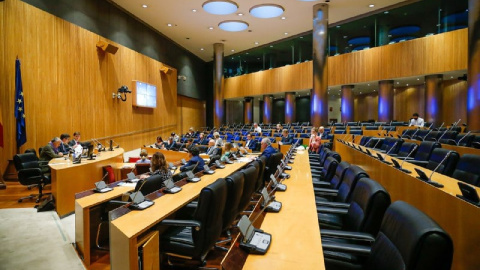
(194, 10)
(271, 46)
(240, 14)
(286, 33)
(418, 79)
(398, 82)
(217, 7)
(301, 37)
(338, 26)
(233, 50)
(266, 11)
(368, 84)
(407, 84)
(247, 53)
(451, 77)
(256, 43)
(169, 24)
(201, 49)
(386, 12)
(283, 18)
(144, 6)
(371, 5)
(210, 28)
(233, 26)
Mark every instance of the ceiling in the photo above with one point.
(191, 29)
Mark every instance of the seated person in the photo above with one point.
(64, 148)
(202, 140)
(250, 143)
(195, 161)
(278, 128)
(175, 137)
(159, 143)
(50, 151)
(228, 149)
(143, 157)
(267, 148)
(218, 140)
(321, 131)
(170, 144)
(190, 133)
(188, 146)
(315, 141)
(158, 166)
(212, 149)
(286, 139)
(76, 140)
(416, 121)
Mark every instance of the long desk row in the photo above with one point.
(459, 218)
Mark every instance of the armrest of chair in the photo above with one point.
(349, 248)
(326, 190)
(405, 158)
(331, 210)
(321, 184)
(418, 162)
(42, 163)
(334, 204)
(181, 223)
(357, 236)
(30, 173)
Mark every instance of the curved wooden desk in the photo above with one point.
(460, 219)
(69, 178)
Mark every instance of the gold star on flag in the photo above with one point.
(23, 115)
(21, 94)
(19, 101)
(20, 109)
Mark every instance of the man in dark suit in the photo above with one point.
(286, 138)
(64, 148)
(202, 140)
(195, 161)
(170, 144)
(267, 148)
(250, 143)
(189, 145)
(50, 151)
(76, 140)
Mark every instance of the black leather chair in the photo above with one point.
(149, 185)
(460, 140)
(476, 142)
(468, 169)
(343, 194)
(404, 150)
(30, 173)
(408, 240)
(447, 136)
(316, 169)
(448, 166)
(271, 165)
(192, 239)
(213, 159)
(250, 175)
(337, 177)
(327, 173)
(369, 202)
(432, 136)
(235, 183)
(364, 140)
(259, 164)
(420, 135)
(141, 168)
(424, 151)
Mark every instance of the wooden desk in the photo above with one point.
(69, 178)
(296, 242)
(128, 230)
(171, 156)
(459, 218)
(83, 219)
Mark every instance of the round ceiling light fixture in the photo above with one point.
(233, 26)
(266, 11)
(220, 7)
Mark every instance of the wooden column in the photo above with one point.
(290, 107)
(385, 101)
(319, 93)
(347, 103)
(267, 109)
(248, 110)
(218, 104)
(473, 94)
(433, 99)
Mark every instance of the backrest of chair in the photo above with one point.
(369, 202)
(260, 179)
(468, 169)
(424, 151)
(433, 135)
(142, 168)
(339, 174)
(25, 161)
(213, 159)
(421, 133)
(387, 143)
(467, 141)
(448, 166)
(149, 185)
(234, 193)
(324, 156)
(31, 150)
(271, 165)
(364, 140)
(329, 168)
(249, 175)
(209, 212)
(395, 146)
(405, 149)
(409, 239)
(449, 135)
(334, 155)
(350, 179)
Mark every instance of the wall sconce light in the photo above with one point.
(122, 90)
(182, 77)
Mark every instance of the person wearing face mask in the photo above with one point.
(143, 157)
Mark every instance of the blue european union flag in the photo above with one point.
(19, 107)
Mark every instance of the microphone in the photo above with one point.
(436, 184)
(389, 150)
(376, 143)
(426, 135)
(366, 144)
(118, 145)
(411, 152)
(439, 138)
(410, 137)
(458, 143)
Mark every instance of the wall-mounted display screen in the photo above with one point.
(144, 95)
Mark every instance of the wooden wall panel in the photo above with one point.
(365, 107)
(191, 113)
(68, 84)
(418, 57)
(408, 100)
(454, 101)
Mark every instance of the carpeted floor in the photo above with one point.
(31, 240)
